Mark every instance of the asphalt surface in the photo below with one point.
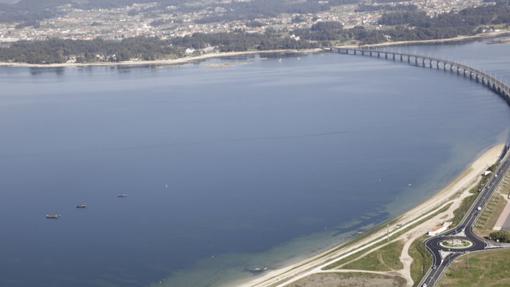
(442, 256)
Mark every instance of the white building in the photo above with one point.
(439, 229)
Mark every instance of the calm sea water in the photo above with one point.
(250, 164)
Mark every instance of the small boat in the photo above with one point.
(257, 270)
(52, 216)
(122, 195)
(81, 205)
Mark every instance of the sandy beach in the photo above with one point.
(451, 195)
(178, 61)
(457, 39)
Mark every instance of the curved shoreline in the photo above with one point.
(210, 56)
(458, 39)
(300, 269)
(186, 60)
(319, 262)
(167, 62)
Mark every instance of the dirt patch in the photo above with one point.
(349, 280)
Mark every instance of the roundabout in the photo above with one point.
(456, 243)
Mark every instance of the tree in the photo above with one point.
(500, 236)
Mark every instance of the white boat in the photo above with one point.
(52, 216)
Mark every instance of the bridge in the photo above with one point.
(470, 73)
(321, 261)
(465, 229)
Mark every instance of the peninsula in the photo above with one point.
(308, 28)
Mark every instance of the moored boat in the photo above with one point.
(52, 216)
(256, 270)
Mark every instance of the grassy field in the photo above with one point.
(463, 208)
(350, 280)
(386, 258)
(468, 201)
(490, 268)
(348, 259)
(492, 211)
(422, 260)
(490, 215)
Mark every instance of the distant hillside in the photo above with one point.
(35, 10)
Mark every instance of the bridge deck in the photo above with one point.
(470, 73)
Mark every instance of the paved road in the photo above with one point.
(443, 257)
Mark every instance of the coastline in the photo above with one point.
(300, 268)
(458, 39)
(167, 62)
(186, 60)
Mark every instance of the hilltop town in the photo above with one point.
(100, 31)
(152, 19)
